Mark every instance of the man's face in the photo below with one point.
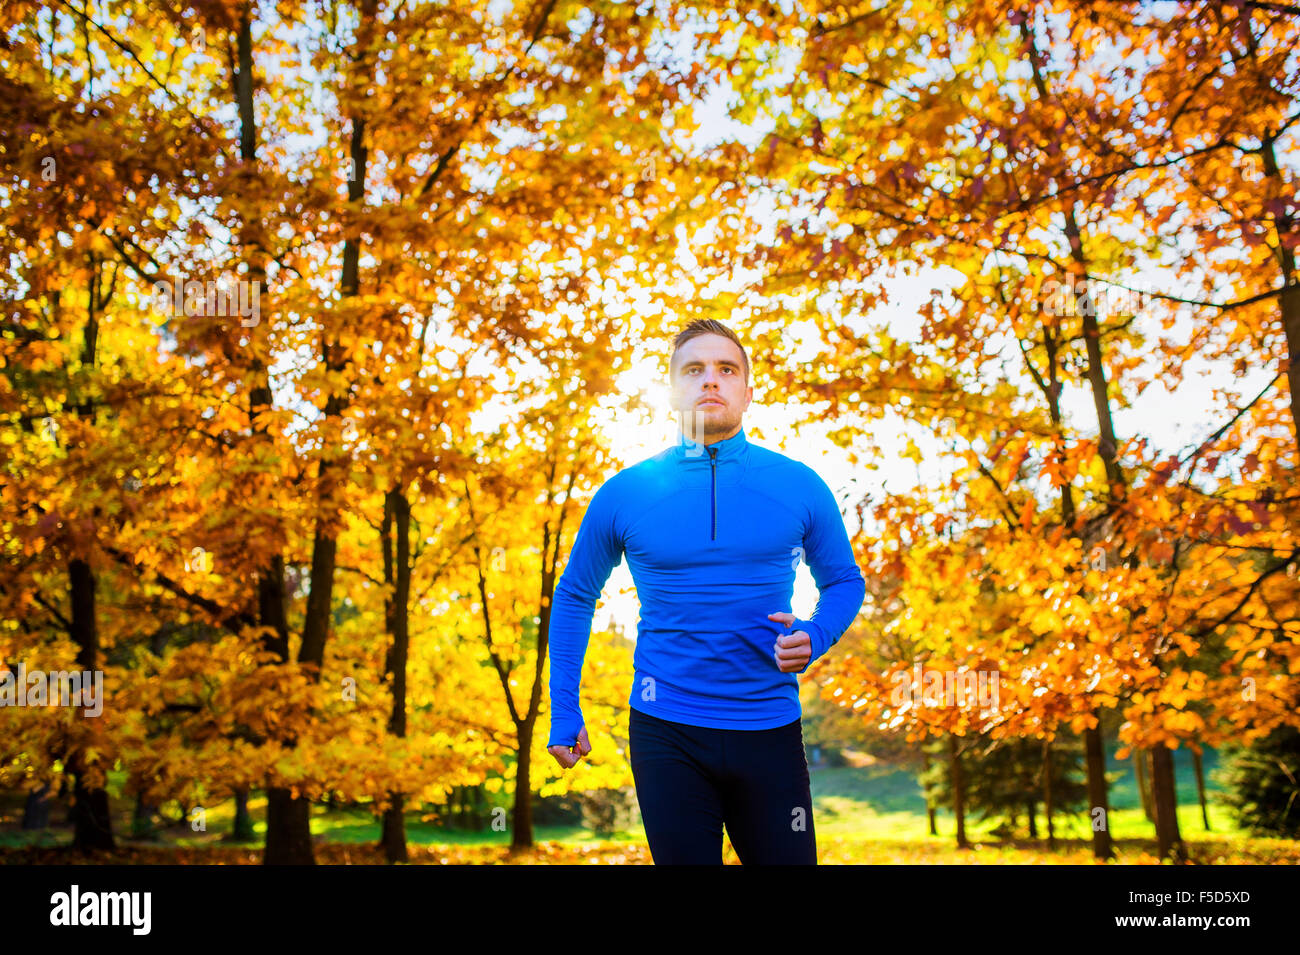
(709, 387)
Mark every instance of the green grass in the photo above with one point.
(879, 802)
(870, 803)
(343, 825)
(359, 826)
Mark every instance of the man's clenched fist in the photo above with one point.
(792, 650)
(568, 756)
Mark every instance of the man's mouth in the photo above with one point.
(710, 401)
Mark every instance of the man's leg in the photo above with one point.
(681, 806)
(767, 797)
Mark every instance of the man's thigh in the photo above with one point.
(681, 806)
(767, 797)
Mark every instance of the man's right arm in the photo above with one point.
(596, 552)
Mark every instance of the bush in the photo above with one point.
(1263, 783)
(557, 810)
(608, 811)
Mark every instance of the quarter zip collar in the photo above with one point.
(731, 449)
(705, 461)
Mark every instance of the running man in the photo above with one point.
(713, 528)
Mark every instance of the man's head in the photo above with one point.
(709, 378)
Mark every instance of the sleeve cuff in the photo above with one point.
(564, 730)
(816, 635)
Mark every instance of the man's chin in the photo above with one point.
(710, 427)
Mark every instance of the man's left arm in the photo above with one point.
(840, 584)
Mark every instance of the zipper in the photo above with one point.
(713, 509)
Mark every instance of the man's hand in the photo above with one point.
(568, 756)
(792, 650)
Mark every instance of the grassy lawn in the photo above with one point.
(862, 814)
(351, 826)
(884, 803)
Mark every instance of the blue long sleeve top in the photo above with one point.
(713, 535)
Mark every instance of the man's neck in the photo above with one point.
(711, 439)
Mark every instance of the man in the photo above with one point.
(713, 529)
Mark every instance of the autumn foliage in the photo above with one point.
(312, 314)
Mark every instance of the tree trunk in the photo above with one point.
(1141, 763)
(925, 792)
(296, 846)
(36, 811)
(1047, 792)
(1170, 842)
(958, 791)
(1098, 798)
(1200, 788)
(522, 822)
(242, 830)
(477, 797)
(142, 825)
(393, 835)
(1108, 451)
(91, 819)
(288, 829)
(397, 571)
(270, 580)
(320, 599)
